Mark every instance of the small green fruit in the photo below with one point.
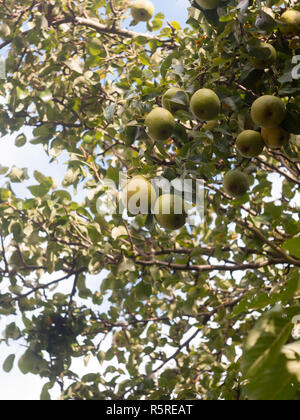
(236, 183)
(205, 105)
(180, 102)
(275, 138)
(291, 18)
(211, 125)
(142, 10)
(208, 4)
(264, 56)
(268, 111)
(169, 211)
(250, 144)
(160, 123)
(139, 195)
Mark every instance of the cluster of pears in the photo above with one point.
(268, 112)
(169, 209)
(262, 54)
(160, 122)
(290, 18)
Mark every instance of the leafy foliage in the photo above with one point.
(206, 311)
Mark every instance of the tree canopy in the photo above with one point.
(207, 311)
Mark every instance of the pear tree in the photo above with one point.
(155, 304)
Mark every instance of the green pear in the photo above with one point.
(291, 18)
(175, 103)
(211, 125)
(169, 211)
(268, 111)
(208, 4)
(236, 183)
(160, 123)
(139, 195)
(264, 56)
(275, 138)
(205, 105)
(250, 143)
(142, 10)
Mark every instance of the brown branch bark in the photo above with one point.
(217, 267)
(123, 33)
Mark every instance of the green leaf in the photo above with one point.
(119, 231)
(3, 169)
(20, 140)
(291, 123)
(31, 362)
(12, 331)
(144, 59)
(9, 363)
(46, 95)
(109, 112)
(265, 341)
(94, 46)
(166, 65)
(45, 396)
(18, 174)
(39, 190)
(293, 246)
(127, 265)
(272, 384)
(143, 290)
(75, 65)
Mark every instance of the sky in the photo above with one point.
(15, 385)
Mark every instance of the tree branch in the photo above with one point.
(124, 33)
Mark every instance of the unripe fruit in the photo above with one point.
(205, 105)
(236, 183)
(208, 4)
(182, 98)
(169, 211)
(250, 144)
(268, 111)
(275, 138)
(160, 123)
(139, 195)
(270, 55)
(142, 10)
(211, 125)
(291, 18)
